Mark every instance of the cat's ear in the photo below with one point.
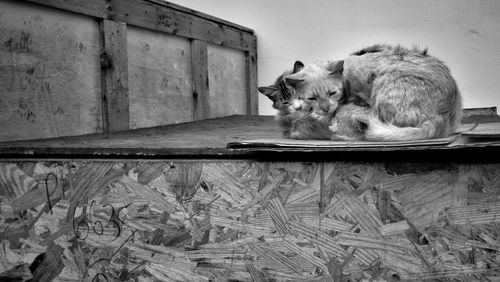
(268, 91)
(295, 79)
(336, 67)
(297, 66)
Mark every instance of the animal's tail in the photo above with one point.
(381, 131)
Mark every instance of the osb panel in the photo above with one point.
(201, 221)
(160, 90)
(49, 73)
(226, 75)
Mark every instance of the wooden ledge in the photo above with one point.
(210, 139)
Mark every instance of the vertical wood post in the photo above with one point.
(114, 76)
(251, 78)
(199, 69)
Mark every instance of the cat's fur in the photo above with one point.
(296, 124)
(411, 94)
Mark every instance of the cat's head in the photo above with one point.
(318, 89)
(280, 92)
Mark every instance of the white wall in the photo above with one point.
(463, 33)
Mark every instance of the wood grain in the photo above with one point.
(227, 77)
(114, 76)
(199, 14)
(160, 78)
(95, 8)
(165, 17)
(209, 138)
(204, 220)
(251, 81)
(201, 83)
(176, 22)
(49, 73)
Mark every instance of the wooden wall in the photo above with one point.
(73, 67)
(50, 81)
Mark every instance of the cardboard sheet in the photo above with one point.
(468, 134)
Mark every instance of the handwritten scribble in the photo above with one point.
(107, 260)
(47, 189)
(85, 221)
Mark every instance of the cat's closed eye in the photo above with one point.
(312, 98)
(332, 93)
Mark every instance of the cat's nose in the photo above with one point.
(296, 105)
(324, 106)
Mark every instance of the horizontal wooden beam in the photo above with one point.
(164, 17)
(200, 14)
(94, 8)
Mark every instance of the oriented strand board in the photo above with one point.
(160, 90)
(49, 73)
(248, 221)
(227, 80)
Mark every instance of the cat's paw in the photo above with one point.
(334, 126)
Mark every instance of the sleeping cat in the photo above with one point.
(295, 121)
(310, 117)
(410, 94)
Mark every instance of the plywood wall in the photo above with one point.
(49, 73)
(73, 67)
(226, 70)
(160, 90)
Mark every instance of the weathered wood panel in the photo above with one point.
(165, 17)
(49, 73)
(160, 90)
(248, 220)
(227, 78)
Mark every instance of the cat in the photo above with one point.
(410, 94)
(294, 120)
(326, 100)
(303, 118)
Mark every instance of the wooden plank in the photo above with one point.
(114, 76)
(251, 80)
(165, 19)
(489, 111)
(199, 14)
(199, 68)
(94, 8)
